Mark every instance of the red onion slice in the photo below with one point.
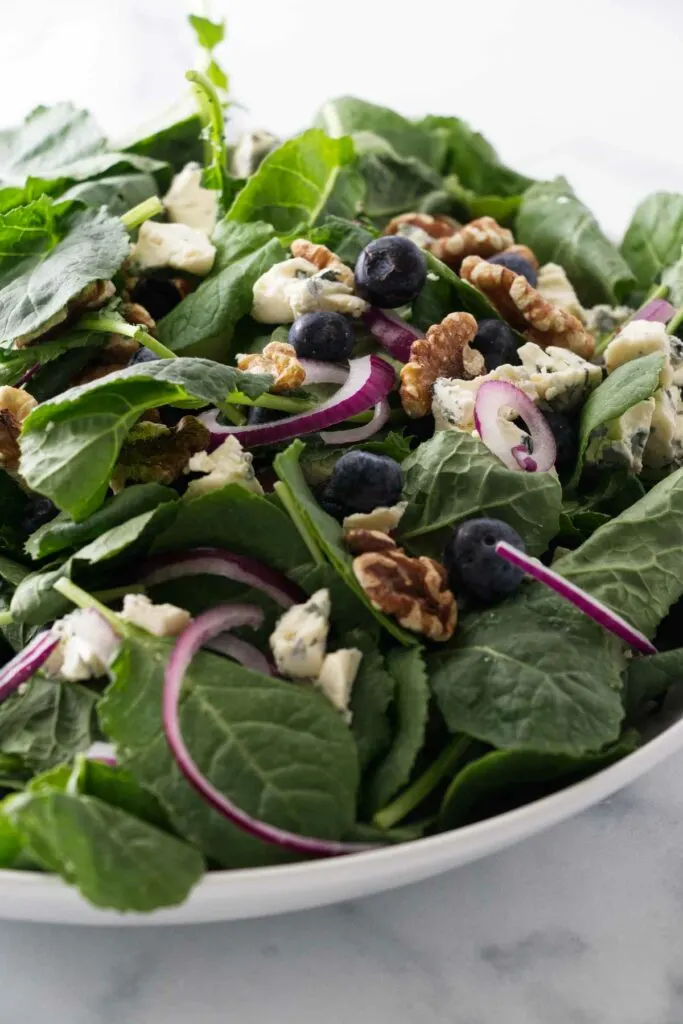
(318, 372)
(204, 628)
(240, 650)
(27, 375)
(362, 433)
(370, 379)
(657, 310)
(394, 334)
(590, 606)
(26, 663)
(218, 562)
(492, 397)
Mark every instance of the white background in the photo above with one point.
(590, 88)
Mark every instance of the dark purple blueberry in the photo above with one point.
(361, 481)
(497, 343)
(474, 569)
(513, 261)
(390, 272)
(325, 336)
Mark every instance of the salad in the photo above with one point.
(341, 486)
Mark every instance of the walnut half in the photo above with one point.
(444, 352)
(15, 405)
(414, 590)
(279, 360)
(481, 237)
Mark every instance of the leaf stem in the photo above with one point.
(112, 325)
(82, 599)
(284, 494)
(675, 321)
(211, 112)
(447, 761)
(114, 593)
(136, 216)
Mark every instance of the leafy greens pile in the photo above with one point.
(527, 697)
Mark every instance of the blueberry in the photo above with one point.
(326, 336)
(474, 569)
(259, 415)
(497, 343)
(38, 512)
(143, 355)
(333, 508)
(565, 432)
(513, 261)
(361, 481)
(390, 271)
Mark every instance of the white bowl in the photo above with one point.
(257, 892)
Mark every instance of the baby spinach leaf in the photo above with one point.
(532, 673)
(204, 323)
(560, 229)
(238, 520)
(175, 142)
(210, 34)
(649, 679)
(411, 703)
(117, 788)
(62, 532)
(634, 563)
(21, 359)
(393, 183)
(38, 289)
(349, 611)
(70, 444)
(654, 237)
(673, 279)
(12, 572)
(291, 188)
(629, 384)
(11, 842)
(348, 115)
(324, 532)
(371, 697)
(346, 238)
(473, 159)
(48, 723)
(280, 751)
(31, 229)
(454, 476)
(114, 859)
(504, 779)
(444, 292)
(119, 192)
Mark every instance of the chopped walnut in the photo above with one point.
(15, 405)
(444, 352)
(481, 237)
(324, 259)
(279, 360)
(526, 309)
(93, 296)
(414, 225)
(413, 590)
(359, 542)
(137, 315)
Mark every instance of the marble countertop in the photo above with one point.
(580, 925)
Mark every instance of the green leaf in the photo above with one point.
(11, 843)
(175, 142)
(58, 145)
(371, 697)
(344, 237)
(560, 229)
(411, 703)
(473, 159)
(673, 279)
(215, 174)
(634, 563)
(114, 859)
(292, 186)
(349, 611)
(117, 787)
(12, 572)
(649, 679)
(209, 33)
(31, 229)
(48, 723)
(13, 508)
(238, 520)
(203, 324)
(393, 183)
(324, 532)
(629, 384)
(37, 290)
(347, 115)
(62, 532)
(504, 779)
(654, 237)
(21, 359)
(454, 476)
(119, 192)
(69, 445)
(444, 292)
(532, 673)
(281, 752)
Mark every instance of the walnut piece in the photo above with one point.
(279, 360)
(438, 226)
(525, 308)
(481, 237)
(15, 405)
(324, 259)
(444, 352)
(413, 590)
(525, 252)
(137, 315)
